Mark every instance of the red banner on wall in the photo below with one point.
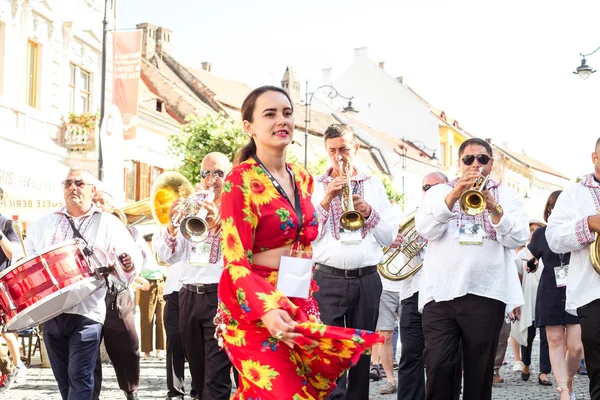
(127, 58)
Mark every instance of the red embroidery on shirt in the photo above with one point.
(481, 219)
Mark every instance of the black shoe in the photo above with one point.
(525, 376)
(544, 382)
(375, 373)
(132, 395)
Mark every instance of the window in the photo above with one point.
(79, 89)
(139, 178)
(32, 73)
(159, 105)
(443, 154)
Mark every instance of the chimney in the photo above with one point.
(163, 40)
(400, 79)
(326, 76)
(148, 39)
(207, 66)
(360, 52)
(381, 64)
(291, 84)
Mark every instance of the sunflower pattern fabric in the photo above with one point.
(255, 218)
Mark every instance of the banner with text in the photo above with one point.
(127, 58)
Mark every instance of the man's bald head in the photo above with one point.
(435, 178)
(217, 158)
(215, 166)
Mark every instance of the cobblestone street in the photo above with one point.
(40, 384)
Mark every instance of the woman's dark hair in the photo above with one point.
(475, 142)
(550, 203)
(248, 115)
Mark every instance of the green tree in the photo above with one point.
(202, 135)
(393, 195)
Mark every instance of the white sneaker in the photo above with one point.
(518, 366)
(573, 396)
(160, 354)
(21, 372)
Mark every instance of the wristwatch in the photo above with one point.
(497, 211)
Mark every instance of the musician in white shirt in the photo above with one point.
(346, 262)
(572, 227)
(72, 338)
(209, 365)
(469, 278)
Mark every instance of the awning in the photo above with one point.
(30, 181)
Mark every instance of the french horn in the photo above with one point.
(411, 247)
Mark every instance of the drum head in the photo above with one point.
(54, 304)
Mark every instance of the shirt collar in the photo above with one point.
(94, 209)
(358, 176)
(589, 181)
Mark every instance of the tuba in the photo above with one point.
(167, 188)
(472, 201)
(411, 247)
(134, 213)
(350, 220)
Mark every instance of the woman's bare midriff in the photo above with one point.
(270, 258)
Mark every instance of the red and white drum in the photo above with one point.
(38, 288)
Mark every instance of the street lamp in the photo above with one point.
(333, 93)
(102, 90)
(584, 70)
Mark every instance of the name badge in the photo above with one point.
(295, 273)
(350, 237)
(561, 274)
(200, 254)
(470, 233)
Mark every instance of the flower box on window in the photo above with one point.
(79, 131)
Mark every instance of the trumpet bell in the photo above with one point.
(352, 220)
(167, 188)
(595, 254)
(193, 228)
(472, 202)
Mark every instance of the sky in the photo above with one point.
(502, 69)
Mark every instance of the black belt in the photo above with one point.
(201, 289)
(346, 273)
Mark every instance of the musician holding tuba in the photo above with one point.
(573, 227)
(347, 250)
(209, 366)
(468, 280)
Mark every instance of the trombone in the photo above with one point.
(350, 220)
(472, 201)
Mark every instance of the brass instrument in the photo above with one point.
(472, 201)
(350, 220)
(411, 247)
(135, 213)
(18, 228)
(595, 253)
(167, 188)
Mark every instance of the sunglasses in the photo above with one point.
(483, 159)
(78, 182)
(217, 173)
(427, 186)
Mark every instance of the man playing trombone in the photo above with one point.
(469, 279)
(355, 220)
(209, 366)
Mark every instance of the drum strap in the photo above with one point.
(89, 244)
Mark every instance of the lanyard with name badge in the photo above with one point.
(561, 273)
(295, 266)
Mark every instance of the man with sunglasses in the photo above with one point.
(73, 337)
(209, 365)
(468, 280)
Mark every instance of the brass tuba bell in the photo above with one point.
(472, 201)
(595, 253)
(350, 220)
(411, 247)
(134, 213)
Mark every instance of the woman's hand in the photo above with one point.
(281, 326)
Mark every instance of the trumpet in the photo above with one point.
(472, 202)
(350, 220)
(193, 226)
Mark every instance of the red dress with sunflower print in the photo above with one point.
(255, 218)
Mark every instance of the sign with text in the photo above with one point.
(127, 58)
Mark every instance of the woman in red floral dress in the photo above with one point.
(277, 343)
